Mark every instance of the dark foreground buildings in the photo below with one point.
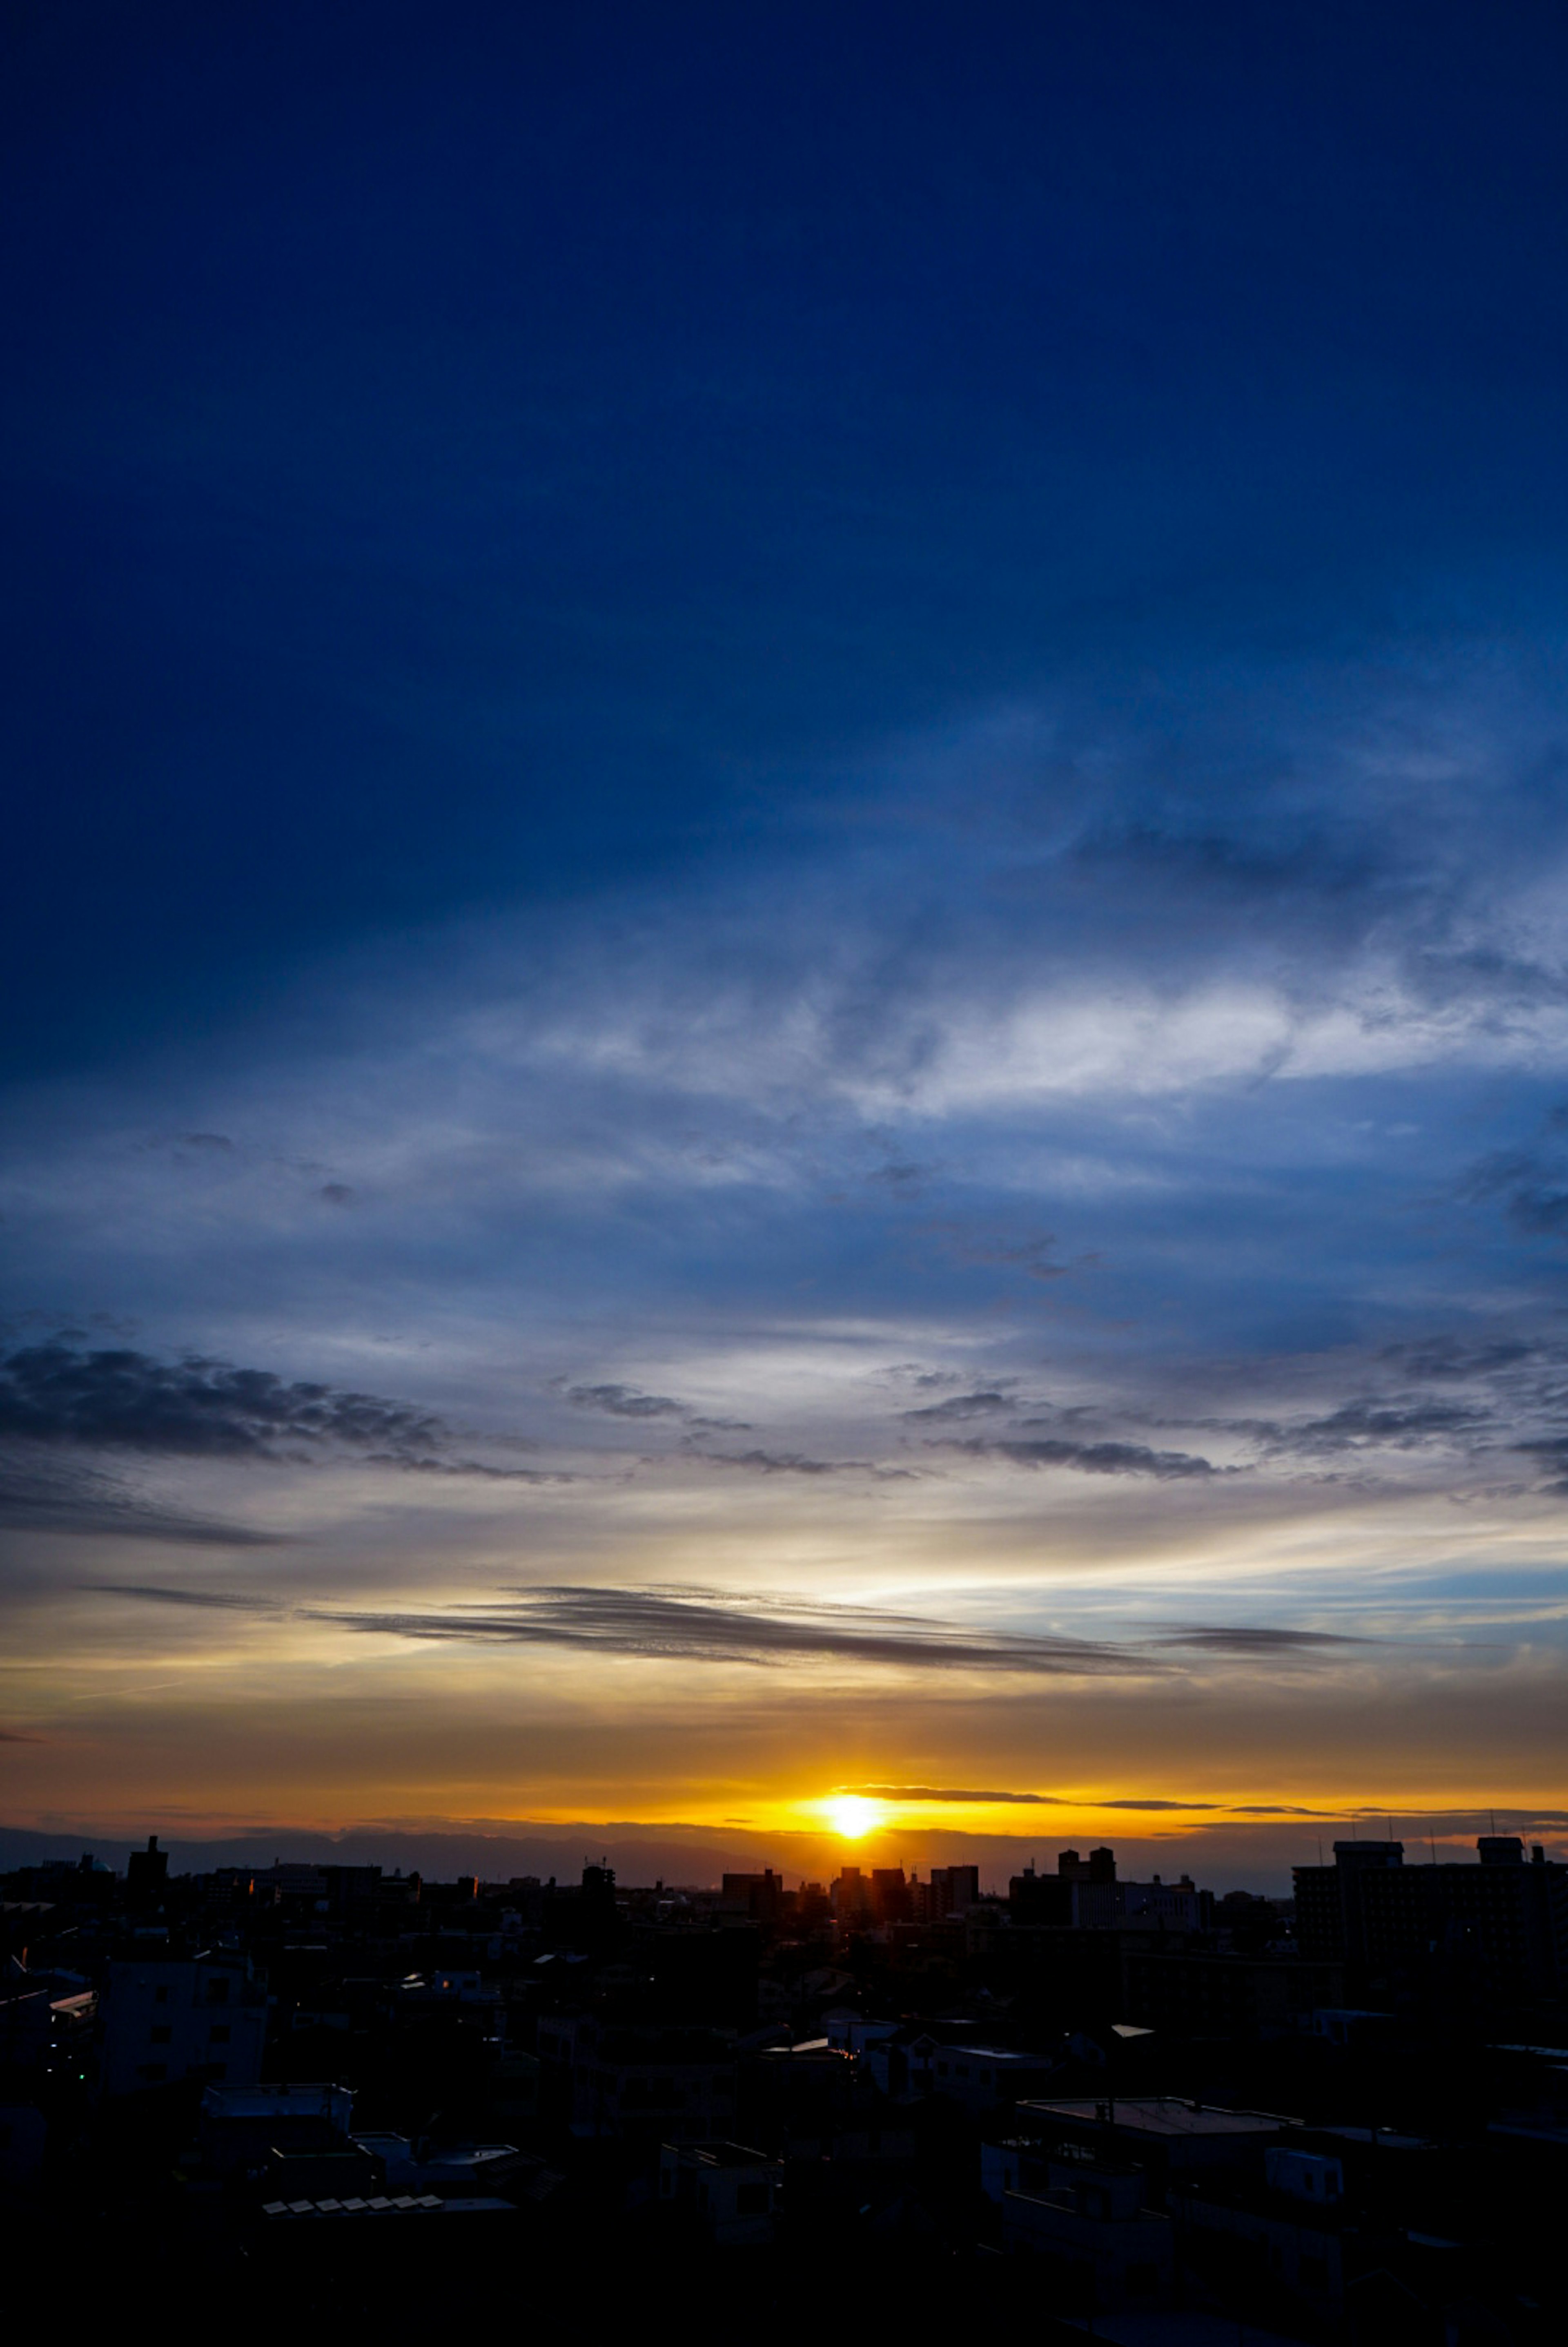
(1492, 1933)
(308, 2095)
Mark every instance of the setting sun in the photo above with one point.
(851, 1815)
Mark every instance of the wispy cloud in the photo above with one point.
(708, 1625)
(121, 1400)
(209, 1600)
(47, 1494)
(626, 1401)
(973, 1796)
(796, 1462)
(700, 1624)
(957, 1406)
(1369, 1423)
(1086, 1458)
(957, 1794)
(59, 1396)
(1262, 1640)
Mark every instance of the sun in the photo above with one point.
(851, 1815)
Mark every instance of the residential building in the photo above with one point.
(166, 2018)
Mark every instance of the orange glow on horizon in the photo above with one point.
(853, 1816)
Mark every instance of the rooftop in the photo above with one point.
(718, 2155)
(269, 2102)
(1161, 2115)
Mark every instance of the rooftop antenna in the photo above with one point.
(1492, 1814)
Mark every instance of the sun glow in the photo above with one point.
(851, 1815)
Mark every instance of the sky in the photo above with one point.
(785, 924)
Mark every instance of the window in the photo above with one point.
(751, 2201)
(219, 2033)
(162, 2034)
(160, 1996)
(153, 2071)
(1141, 2281)
(218, 1991)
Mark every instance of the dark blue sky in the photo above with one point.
(456, 456)
(788, 797)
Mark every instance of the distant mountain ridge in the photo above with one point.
(639, 1859)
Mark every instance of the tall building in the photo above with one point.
(1086, 1893)
(166, 2019)
(147, 1870)
(1498, 1929)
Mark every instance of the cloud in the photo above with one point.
(706, 1625)
(1221, 1640)
(1031, 1256)
(1135, 1802)
(1552, 1452)
(796, 1462)
(1400, 1423)
(193, 1409)
(959, 1406)
(631, 1401)
(1437, 1358)
(960, 1794)
(626, 1401)
(45, 1495)
(702, 1624)
(1088, 1458)
(902, 1179)
(55, 1395)
(1539, 1212)
(211, 1599)
(954, 1793)
(1533, 1184)
(478, 1469)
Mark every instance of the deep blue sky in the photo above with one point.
(723, 725)
(452, 455)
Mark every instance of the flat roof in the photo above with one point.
(1163, 2114)
(721, 2155)
(997, 2053)
(1381, 2138)
(267, 2102)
